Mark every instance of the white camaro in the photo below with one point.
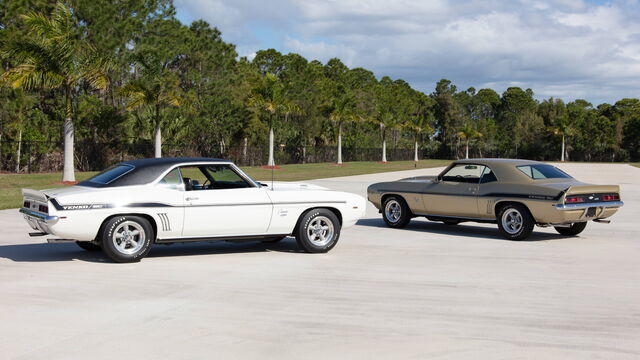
(134, 204)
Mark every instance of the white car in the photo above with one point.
(134, 204)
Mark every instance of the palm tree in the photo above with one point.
(267, 96)
(562, 127)
(387, 121)
(156, 89)
(341, 114)
(467, 133)
(53, 57)
(418, 125)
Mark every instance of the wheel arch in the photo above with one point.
(148, 217)
(334, 210)
(502, 203)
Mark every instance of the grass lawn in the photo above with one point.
(635, 164)
(11, 197)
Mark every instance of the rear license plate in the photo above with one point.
(591, 212)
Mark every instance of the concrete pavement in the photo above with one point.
(427, 291)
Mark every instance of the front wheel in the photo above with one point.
(515, 222)
(127, 238)
(318, 231)
(396, 212)
(574, 229)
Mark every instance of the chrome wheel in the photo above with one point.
(128, 238)
(512, 221)
(320, 231)
(393, 211)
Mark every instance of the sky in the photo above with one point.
(568, 49)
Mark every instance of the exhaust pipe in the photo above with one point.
(60, 241)
(602, 221)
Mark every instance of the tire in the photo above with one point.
(89, 245)
(396, 212)
(451, 222)
(515, 222)
(318, 231)
(123, 228)
(273, 241)
(575, 229)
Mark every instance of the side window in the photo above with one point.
(173, 179)
(487, 176)
(466, 173)
(224, 177)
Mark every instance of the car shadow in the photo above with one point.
(44, 252)
(464, 229)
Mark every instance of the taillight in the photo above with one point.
(613, 197)
(573, 199)
(26, 204)
(43, 208)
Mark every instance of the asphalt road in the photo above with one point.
(426, 292)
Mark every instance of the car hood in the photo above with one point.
(290, 185)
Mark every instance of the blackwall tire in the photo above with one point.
(318, 231)
(515, 222)
(575, 229)
(126, 239)
(396, 212)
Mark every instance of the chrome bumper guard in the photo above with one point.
(49, 220)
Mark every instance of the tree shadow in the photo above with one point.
(44, 252)
(463, 229)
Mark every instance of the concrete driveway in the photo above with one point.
(427, 291)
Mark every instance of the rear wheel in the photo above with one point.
(515, 222)
(396, 212)
(574, 229)
(127, 238)
(318, 231)
(89, 245)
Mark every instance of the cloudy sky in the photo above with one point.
(563, 48)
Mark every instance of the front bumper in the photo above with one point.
(39, 221)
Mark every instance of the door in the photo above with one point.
(455, 193)
(219, 202)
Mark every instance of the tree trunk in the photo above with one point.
(466, 151)
(384, 150)
(19, 149)
(562, 155)
(158, 141)
(244, 150)
(340, 144)
(415, 155)
(304, 153)
(271, 160)
(68, 171)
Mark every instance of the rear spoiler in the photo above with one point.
(592, 189)
(35, 195)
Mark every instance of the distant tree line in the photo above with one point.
(129, 71)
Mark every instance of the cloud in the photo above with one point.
(562, 48)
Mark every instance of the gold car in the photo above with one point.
(515, 194)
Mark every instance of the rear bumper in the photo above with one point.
(610, 204)
(39, 221)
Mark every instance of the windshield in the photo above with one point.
(543, 171)
(111, 174)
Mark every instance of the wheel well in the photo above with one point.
(385, 196)
(501, 204)
(335, 211)
(149, 218)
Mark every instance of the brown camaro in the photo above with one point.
(515, 194)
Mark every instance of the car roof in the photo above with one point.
(146, 170)
(504, 169)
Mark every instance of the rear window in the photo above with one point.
(111, 174)
(542, 171)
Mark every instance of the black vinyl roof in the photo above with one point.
(146, 170)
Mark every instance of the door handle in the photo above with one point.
(191, 198)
